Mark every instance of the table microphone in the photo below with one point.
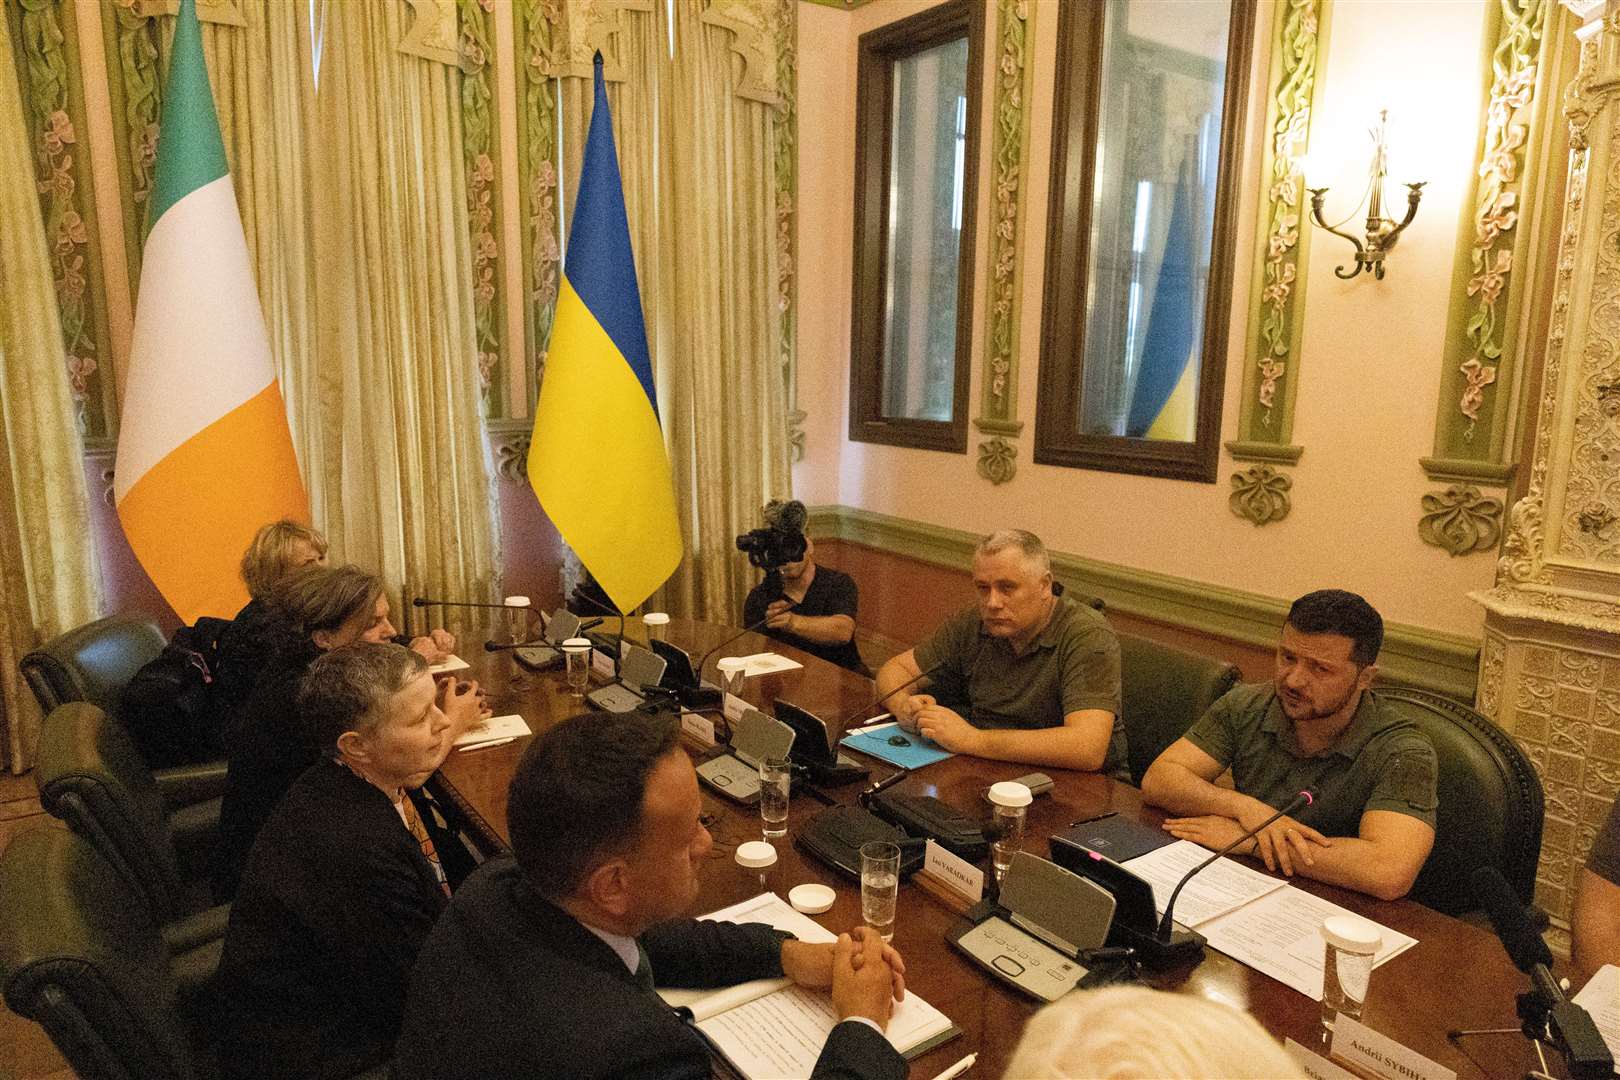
(618, 646)
(1547, 1011)
(1167, 924)
(419, 601)
(698, 671)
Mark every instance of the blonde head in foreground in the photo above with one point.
(1133, 1033)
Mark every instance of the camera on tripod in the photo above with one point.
(781, 541)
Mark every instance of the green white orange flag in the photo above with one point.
(205, 457)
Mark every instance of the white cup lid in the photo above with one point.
(1010, 793)
(811, 899)
(732, 663)
(1351, 934)
(654, 618)
(576, 644)
(756, 855)
(517, 601)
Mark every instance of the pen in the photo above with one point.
(959, 1068)
(1094, 817)
(487, 745)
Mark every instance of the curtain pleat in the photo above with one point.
(48, 576)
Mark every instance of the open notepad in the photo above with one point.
(771, 1028)
(1252, 917)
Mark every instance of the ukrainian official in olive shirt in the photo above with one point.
(1036, 674)
(1316, 725)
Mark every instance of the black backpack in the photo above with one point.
(169, 705)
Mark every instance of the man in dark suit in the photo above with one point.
(544, 964)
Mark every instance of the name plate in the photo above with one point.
(602, 663)
(1382, 1056)
(734, 707)
(956, 874)
(700, 728)
(1314, 1065)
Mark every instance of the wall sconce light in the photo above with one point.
(1381, 232)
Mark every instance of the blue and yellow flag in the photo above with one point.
(597, 460)
(1163, 405)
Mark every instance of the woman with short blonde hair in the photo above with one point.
(278, 549)
(1133, 1033)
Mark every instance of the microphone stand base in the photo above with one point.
(1184, 947)
(699, 697)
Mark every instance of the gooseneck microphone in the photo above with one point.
(618, 646)
(1547, 1012)
(1167, 923)
(698, 670)
(421, 601)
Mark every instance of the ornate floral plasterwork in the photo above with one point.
(133, 64)
(754, 37)
(1460, 520)
(479, 154)
(1007, 159)
(223, 12)
(1497, 199)
(584, 28)
(1281, 285)
(1261, 494)
(61, 164)
(536, 22)
(511, 454)
(785, 128)
(998, 460)
(432, 33)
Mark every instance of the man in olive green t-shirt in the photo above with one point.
(1037, 674)
(1316, 725)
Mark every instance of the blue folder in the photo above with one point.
(875, 742)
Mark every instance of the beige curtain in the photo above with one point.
(48, 581)
(264, 93)
(719, 381)
(404, 466)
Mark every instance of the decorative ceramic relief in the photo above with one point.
(998, 458)
(480, 152)
(1261, 494)
(1461, 520)
(46, 45)
(432, 33)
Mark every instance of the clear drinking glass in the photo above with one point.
(775, 780)
(1009, 802)
(517, 619)
(880, 885)
(731, 675)
(1350, 945)
(656, 624)
(577, 655)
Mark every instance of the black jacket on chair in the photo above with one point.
(335, 903)
(509, 985)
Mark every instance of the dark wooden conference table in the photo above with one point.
(1456, 976)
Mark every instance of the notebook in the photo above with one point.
(771, 1028)
(916, 753)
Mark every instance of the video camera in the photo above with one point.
(781, 541)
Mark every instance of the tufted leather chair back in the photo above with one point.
(1165, 690)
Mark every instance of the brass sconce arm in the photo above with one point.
(1381, 232)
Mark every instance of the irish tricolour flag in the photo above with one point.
(204, 454)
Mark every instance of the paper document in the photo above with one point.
(1223, 886)
(767, 663)
(448, 664)
(1280, 934)
(1601, 998)
(495, 728)
(771, 1028)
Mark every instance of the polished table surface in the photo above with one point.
(1456, 976)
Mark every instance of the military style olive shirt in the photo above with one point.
(1382, 761)
(1072, 664)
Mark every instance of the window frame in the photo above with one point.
(879, 50)
(1058, 439)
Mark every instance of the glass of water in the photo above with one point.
(1009, 800)
(775, 781)
(517, 619)
(577, 654)
(880, 885)
(1350, 946)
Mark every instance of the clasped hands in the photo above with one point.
(779, 615)
(436, 647)
(1280, 845)
(865, 975)
(922, 714)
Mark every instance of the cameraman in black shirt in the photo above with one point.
(807, 606)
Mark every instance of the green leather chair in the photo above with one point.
(91, 776)
(1164, 690)
(81, 956)
(92, 663)
(1491, 803)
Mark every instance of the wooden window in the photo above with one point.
(917, 118)
(1139, 259)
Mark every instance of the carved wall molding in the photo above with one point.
(535, 24)
(754, 37)
(1270, 381)
(1461, 520)
(432, 34)
(223, 12)
(998, 415)
(1261, 494)
(584, 28)
(480, 151)
(785, 127)
(509, 443)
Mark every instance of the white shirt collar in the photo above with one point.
(625, 947)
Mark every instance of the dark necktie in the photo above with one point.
(644, 972)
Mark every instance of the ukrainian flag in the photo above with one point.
(597, 460)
